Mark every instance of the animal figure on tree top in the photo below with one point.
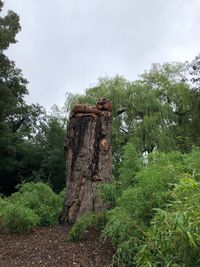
(104, 104)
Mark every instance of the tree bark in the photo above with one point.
(88, 159)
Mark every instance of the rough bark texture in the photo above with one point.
(89, 159)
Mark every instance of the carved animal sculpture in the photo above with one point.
(104, 104)
(79, 108)
(82, 108)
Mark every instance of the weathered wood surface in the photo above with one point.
(88, 157)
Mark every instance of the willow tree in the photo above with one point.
(174, 95)
(193, 76)
(152, 112)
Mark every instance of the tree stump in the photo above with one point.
(89, 158)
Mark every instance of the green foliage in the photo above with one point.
(156, 220)
(9, 27)
(110, 192)
(49, 143)
(126, 233)
(159, 110)
(40, 198)
(131, 164)
(120, 227)
(35, 204)
(174, 235)
(152, 189)
(3, 203)
(18, 121)
(191, 163)
(90, 220)
(153, 112)
(15, 218)
(31, 143)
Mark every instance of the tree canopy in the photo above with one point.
(21, 154)
(157, 111)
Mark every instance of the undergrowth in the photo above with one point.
(35, 204)
(155, 221)
(155, 215)
(90, 220)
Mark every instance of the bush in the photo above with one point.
(3, 204)
(40, 198)
(130, 166)
(126, 234)
(191, 163)
(33, 205)
(110, 192)
(174, 236)
(90, 220)
(128, 169)
(129, 222)
(119, 227)
(152, 189)
(17, 219)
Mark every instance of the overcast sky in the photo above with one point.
(65, 45)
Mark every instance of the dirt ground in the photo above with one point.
(47, 246)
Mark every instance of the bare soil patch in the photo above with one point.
(47, 246)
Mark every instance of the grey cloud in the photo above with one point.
(67, 45)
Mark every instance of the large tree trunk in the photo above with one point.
(89, 161)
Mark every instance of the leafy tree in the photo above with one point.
(193, 69)
(193, 78)
(18, 121)
(154, 112)
(49, 142)
(174, 96)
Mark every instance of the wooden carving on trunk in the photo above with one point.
(89, 158)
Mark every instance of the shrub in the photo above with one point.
(34, 204)
(62, 195)
(125, 233)
(152, 189)
(128, 169)
(191, 163)
(40, 198)
(130, 166)
(174, 236)
(3, 204)
(17, 219)
(128, 223)
(90, 220)
(110, 192)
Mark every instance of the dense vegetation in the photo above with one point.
(31, 142)
(154, 220)
(155, 193)
(35, 204)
